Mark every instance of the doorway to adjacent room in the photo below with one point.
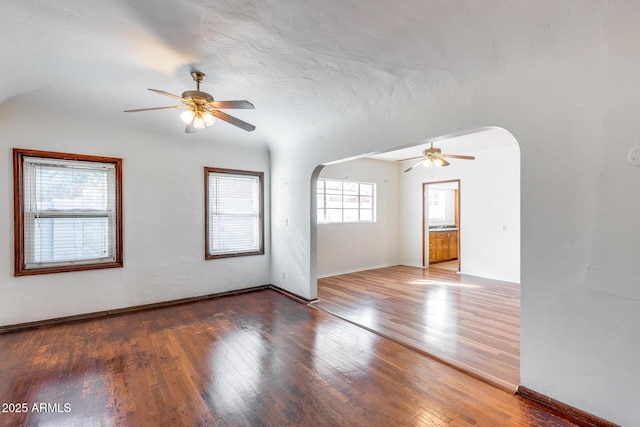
(441, 223)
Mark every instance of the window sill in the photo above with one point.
(66, 268)
(235, 255)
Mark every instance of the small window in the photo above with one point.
(437, 200)
(68, 212)
(345, 201)
(233, 213)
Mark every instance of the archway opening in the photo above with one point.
(369, 270)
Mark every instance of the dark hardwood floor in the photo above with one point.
(252, 359)
(469, 322)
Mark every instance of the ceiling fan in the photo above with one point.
(434, 157)
(201, 109)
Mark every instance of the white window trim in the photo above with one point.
(360, 209)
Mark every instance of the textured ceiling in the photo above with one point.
(469, 143)
(306, 66)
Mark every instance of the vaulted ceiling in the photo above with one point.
(306, 66)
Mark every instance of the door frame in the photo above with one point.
(425, 220)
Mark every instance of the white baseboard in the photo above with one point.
(414, 265)
(373, 267)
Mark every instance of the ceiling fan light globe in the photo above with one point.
(187, 116)
(427, 163)
(198, 121)
(438, 162)
(208, 118)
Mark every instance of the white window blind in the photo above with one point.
(234, 213)
(69, 212)
(345, 201)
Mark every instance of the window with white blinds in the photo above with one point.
(234, 216)
(69, 212)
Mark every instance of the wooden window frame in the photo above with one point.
(20, 269)
(260, 175)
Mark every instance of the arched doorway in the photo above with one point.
(393, 247)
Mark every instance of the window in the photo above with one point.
(437, 199)
(345, 201)
(68, 212)
(233, 213)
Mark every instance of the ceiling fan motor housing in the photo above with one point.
(196, 95)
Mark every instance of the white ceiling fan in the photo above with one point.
(434, 157)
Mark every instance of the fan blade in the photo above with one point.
(246, 105)
(233, 120)
(411, 158)
(416, 165)
(155, 108)
(455, 156)
(444, 162)
(161, 92)
(190, 129)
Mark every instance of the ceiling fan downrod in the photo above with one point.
(198, 77)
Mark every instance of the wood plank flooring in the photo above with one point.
(447, 265)
(469, 322)
(252, 359)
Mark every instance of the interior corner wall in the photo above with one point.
(489, 212)
(163, 192)
(348, 247)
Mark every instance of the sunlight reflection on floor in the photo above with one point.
(434, 282)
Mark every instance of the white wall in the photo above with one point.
(163, 215)
(348, 247)
(563, 80)
(489, 203)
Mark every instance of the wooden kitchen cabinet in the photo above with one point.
(453, 244)
(443, 246)
(432, 248)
